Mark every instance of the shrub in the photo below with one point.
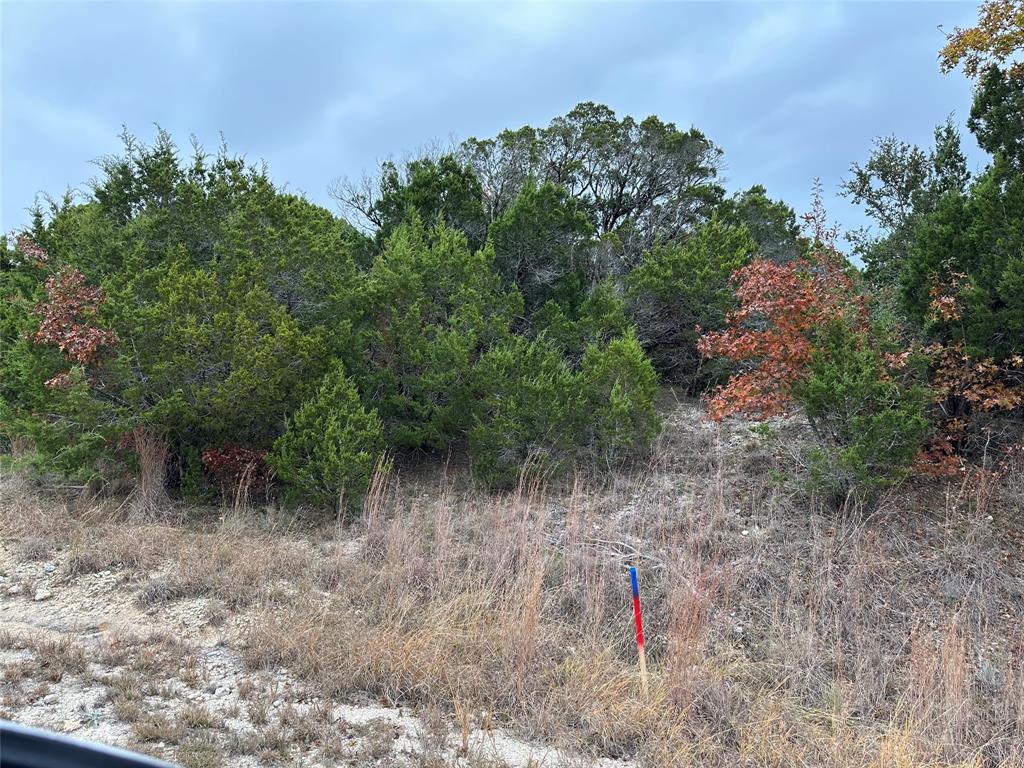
(236, 468)
(802, 335)
(534, 410)
(769, 336)
(598, 316)
(972, 394)
(527, 414)
(869, 422)
(71, 433)
(618, 385)
(51, 343)
(331, 446)
(215, 358)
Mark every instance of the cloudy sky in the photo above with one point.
(321, 90)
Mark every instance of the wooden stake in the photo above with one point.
(639, 631)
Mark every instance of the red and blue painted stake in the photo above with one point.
(639, 629)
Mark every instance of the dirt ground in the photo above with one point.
(73, 644)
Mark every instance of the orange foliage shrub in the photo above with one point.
(780, 306)
(68, 319)
(770, 334)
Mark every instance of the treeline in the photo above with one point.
(192, 322)
(518, 298)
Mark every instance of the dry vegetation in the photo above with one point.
(780, 632)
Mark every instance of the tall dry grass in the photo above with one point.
(779, 633)
(804, 648)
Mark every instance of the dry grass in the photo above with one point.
(159, 728)
(270, 744)
(779, 633)
(200, 753)
(195, 716)
(35, 548)
(58, 658)
(51, 660)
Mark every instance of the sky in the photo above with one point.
(323, 90)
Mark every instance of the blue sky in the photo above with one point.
(323, 90)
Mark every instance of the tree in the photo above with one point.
(680, 290)
(636, 180)
(648, 175)
(331, 445)
(998, 35)
(541, 245)
(505, 165)
(430, 308)
(55, 411)
(801, 336)
(208, 293)
(214, 358)
(443, 186)
(971, 393)
(53, 344)
(22, 271)
(68, 318)
(779, 308)
(963, 281)
(771, 223)
(997, 115)
(898, 185)
(770, 334)
(975, 242)
(189, 321)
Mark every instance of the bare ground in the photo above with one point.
(84, 655)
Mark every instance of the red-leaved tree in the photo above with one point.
(802, 333)
(769, 336)
(69, 319)
(31, 250)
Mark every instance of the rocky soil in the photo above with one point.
(84, 656)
